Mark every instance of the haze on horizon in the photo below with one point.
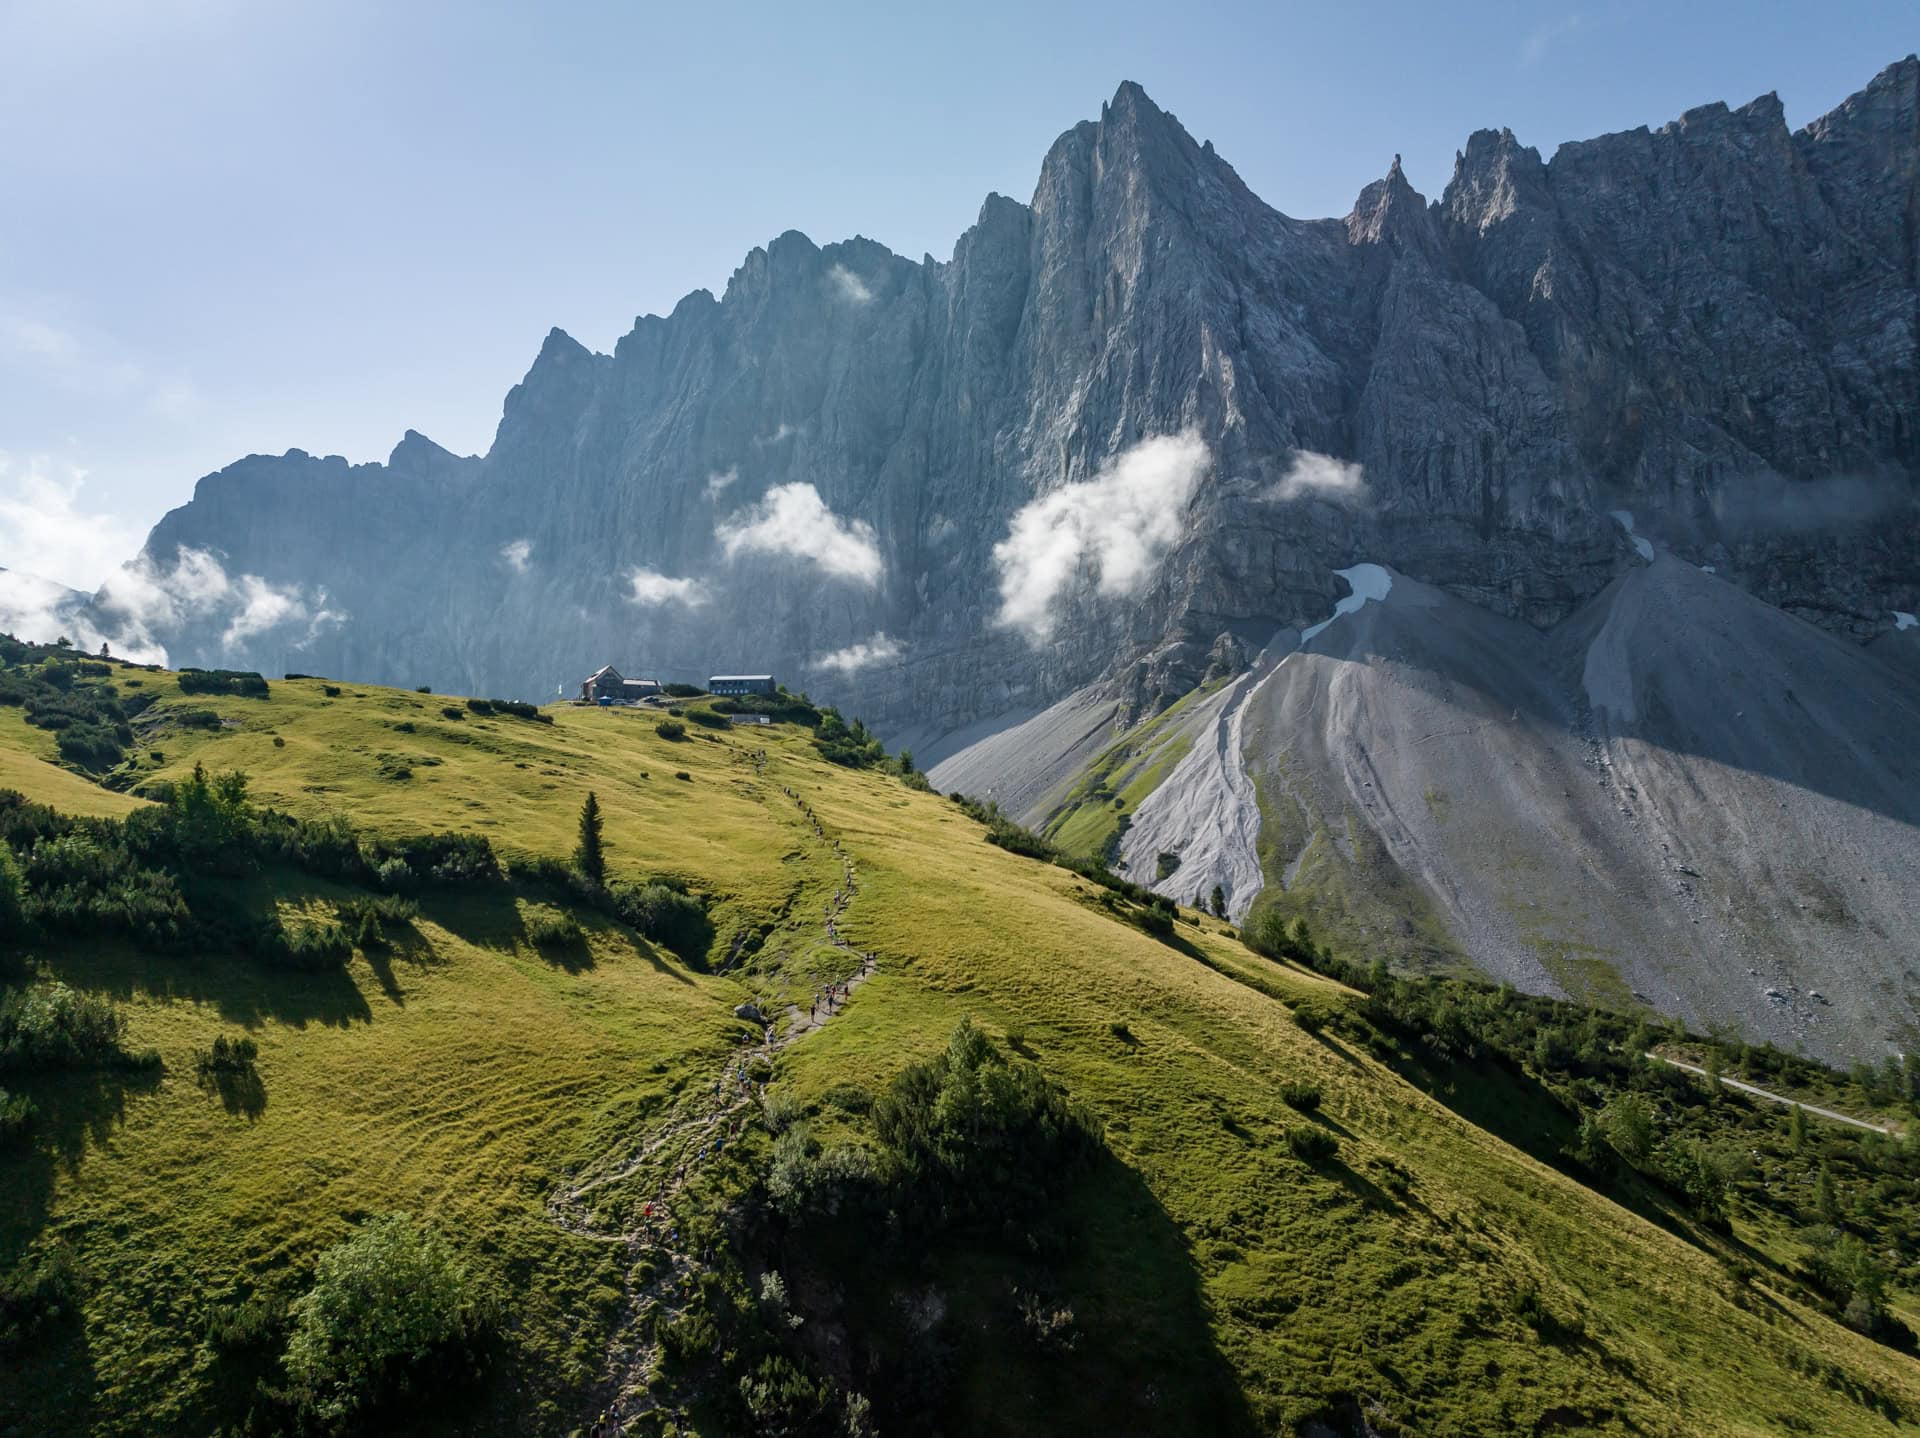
(249, 229)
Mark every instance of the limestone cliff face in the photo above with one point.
(1712, 325)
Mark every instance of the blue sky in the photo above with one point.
(242, 225)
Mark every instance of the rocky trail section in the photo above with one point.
(628, 1196)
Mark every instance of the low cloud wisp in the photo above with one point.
(516, 553)
(651, 588)
(851, 287)
(792, 519)
(1119, 524)
(144, 601)
(862, 655)
(1320, 476)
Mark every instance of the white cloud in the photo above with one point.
(863, 655)
(793, 519)
(516, 553)
(784, 431)
(650, 587)
(1121, 522)
(45, 530)
(1544, 37)
(852, 288)
(38, 609)
(1320, 476)
(142, 601)
(721, 480)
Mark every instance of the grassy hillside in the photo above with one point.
(1206, 1268)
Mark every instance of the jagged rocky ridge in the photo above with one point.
(1712, 324)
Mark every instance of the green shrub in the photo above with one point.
(304, 944)
(1313, 1015)
(16, 1117)
(1312, 1145)
(709, 719)
(392, 1308)
(49, 1025)
(227, 1056)
(553, 932)
(671, 729)
(667, 916)
(452, 711)
(684, 691)
(39, 1291)
(332, 691)
(13, 894)
(970, 1134)
(848, 1098)
(1301, 1095)
(243, 683)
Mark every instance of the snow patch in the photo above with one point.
(1903, 620)
(1625, 519)
(1708, 569)
(1367, 581)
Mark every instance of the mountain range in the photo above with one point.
(1617, 452)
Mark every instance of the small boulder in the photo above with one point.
(750, 1012)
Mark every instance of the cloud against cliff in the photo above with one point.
(516, 553)
(1319, 476)
(863, 655)
(652, 588)
(850, 286)
(142, 600)
(721, 480)
(792, 519)
(1119, 525)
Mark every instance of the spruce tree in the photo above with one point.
(1219, 902)
(590, 857)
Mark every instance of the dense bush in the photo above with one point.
(49, 1025)
(670, 729)
(393, 1312)
(971, 1134)
(16, 1118)
(226, 1056)
(304, 944)
(668, 916)
(683, 691)
(848, 744)
(1298, 1093)
(39, 1291)
(554, 932)
(707, 719)
(445, 859)
(1312, 1145)
(243, 683)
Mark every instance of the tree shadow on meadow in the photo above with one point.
(1090, 1318)
(244, 990)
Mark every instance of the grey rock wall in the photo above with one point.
(1712, 324)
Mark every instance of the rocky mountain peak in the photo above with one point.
(1391, 212)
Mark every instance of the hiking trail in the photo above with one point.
(670, 1153)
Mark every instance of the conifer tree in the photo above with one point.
(590, 857)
